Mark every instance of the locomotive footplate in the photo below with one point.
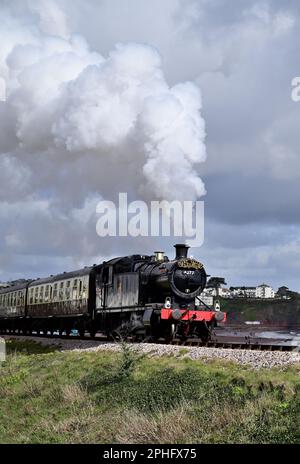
(192, 315)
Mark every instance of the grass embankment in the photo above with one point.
(48, 396)
(273, 311)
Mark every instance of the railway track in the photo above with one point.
(240, 345)
(247, 342)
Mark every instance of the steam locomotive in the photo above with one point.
(137, 296)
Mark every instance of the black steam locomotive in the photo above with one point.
(142, 297)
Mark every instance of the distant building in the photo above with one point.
(215, 288)
(208, 292)
(225, 292)
(285, 293)
(211, 292)
(243, 292)
(215, 285)
(264, 291)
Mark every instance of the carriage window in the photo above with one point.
(31, 296)
(61, 291)
(108, 275)
(84, 293)
(68, 289)
(55, 291)
(36, 295)
(47, 293)
(74, 290)
(80, 288)
(41, 294)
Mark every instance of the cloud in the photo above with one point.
(83, 102)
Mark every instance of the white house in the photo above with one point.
(264, 291)
(209, 292)
(225, 292)
(245, 292)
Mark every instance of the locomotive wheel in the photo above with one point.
(170, 332)
(115, 336)
(205, 333)
(138, 338)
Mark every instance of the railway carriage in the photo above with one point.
(62, 302)
(13, 306)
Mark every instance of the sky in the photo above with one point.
(180, 99)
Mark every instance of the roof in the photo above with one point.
(68, 275)
(63, 276)
(14, 288)
(243, 288)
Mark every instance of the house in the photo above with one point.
(225, 293)
(244, 292)
(284, 293)
(264, 291)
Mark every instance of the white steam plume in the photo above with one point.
(60, 100)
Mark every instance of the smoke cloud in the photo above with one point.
(63, 103)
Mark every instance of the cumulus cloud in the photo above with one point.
(81, 101)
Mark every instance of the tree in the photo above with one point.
(284, 292)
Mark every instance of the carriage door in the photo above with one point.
(104, 281)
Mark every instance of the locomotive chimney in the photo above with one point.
(181, 250)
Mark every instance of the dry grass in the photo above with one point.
(162, 427)
(73, 394)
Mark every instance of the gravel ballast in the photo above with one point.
(255, 359)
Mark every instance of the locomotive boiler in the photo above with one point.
(138, 296)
